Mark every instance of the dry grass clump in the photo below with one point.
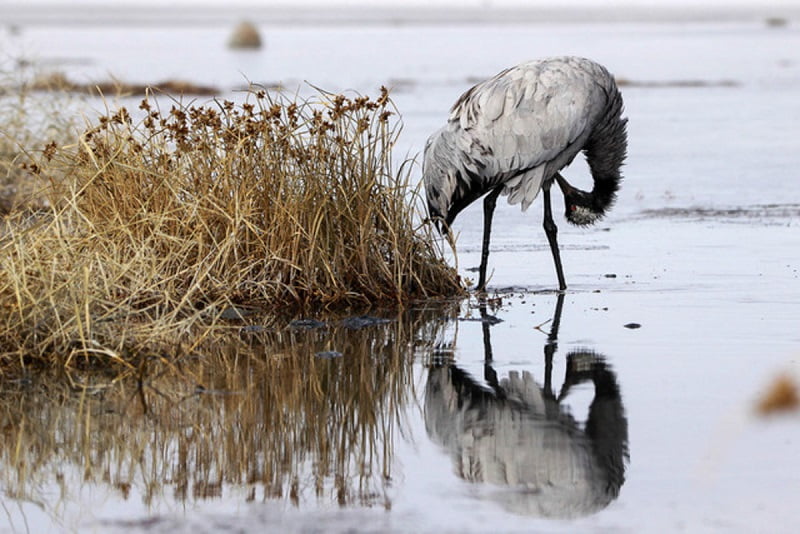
(156, 226)
(780, 397)
(245, 36)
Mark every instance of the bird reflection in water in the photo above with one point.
(516, 435)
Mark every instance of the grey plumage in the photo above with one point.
(517, 435)
(513, 133)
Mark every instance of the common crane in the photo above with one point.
(513, 133)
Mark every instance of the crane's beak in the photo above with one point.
(441, 225)
(566, 187)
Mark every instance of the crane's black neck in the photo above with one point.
(605, 151)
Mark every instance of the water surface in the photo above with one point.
(410, 429)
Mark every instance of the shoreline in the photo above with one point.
(19, 14)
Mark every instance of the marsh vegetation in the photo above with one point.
(139, 237)
(152, 262)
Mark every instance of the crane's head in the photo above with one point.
(581, 209)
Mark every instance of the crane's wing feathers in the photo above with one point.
(521, 127)
(527, 114)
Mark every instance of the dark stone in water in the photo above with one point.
(236, 313)
(488, 319)
(254, 329)
(328, 354)
(307, 324)
(362, 321)
(633, 325)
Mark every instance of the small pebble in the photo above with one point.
(306, 324)
(362, 321)
(236, 313)
(487, 319)
(254, 329)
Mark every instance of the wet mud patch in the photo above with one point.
(691, 84)
(526, 247)
(59, 82)
(765, 213)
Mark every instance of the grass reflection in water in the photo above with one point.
(260, 416)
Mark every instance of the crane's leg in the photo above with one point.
(551, 347)
(551, 230)
(489, 204)
(489, 374)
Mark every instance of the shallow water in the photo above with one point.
(702, 250)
